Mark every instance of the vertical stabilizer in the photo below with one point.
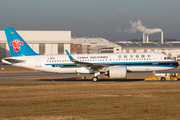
(17, 46)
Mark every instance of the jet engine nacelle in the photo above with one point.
(117, 72)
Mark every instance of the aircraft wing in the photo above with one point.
(91, 65)
(85, 64)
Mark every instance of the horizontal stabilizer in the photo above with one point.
(13, 60)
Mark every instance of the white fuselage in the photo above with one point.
(62, 64)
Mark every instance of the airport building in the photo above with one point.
(107, 50)
(91, 45)
(42, 42)
(171, 49)
(76, 48)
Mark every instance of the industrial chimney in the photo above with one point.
(146, 37)
(162, 37)
(143, 38)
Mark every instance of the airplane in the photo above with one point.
(113, 65)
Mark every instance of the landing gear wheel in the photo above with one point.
(95, 79)
(163, 79)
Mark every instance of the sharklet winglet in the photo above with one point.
(69, 55)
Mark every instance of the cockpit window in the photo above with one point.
(167, 58)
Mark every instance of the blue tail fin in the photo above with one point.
(17, 46)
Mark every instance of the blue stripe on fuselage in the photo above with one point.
(173, 64)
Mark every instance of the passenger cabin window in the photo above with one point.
(125, 56)
(137, 56)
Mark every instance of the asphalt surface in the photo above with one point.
(37, 75)
(46, 77)
(52, 75)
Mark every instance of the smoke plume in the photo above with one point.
(137, 26)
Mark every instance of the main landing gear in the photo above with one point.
(95, 78)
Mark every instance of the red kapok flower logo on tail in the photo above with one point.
(16, 44)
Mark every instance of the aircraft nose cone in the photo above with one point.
(177, 63)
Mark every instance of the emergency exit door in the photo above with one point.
(38, 62)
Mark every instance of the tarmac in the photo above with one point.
(46, 77)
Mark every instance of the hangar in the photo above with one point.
(171, 49)
(42, 42)
(90, 45)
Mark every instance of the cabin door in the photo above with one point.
(155, 59)
(38, 62)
